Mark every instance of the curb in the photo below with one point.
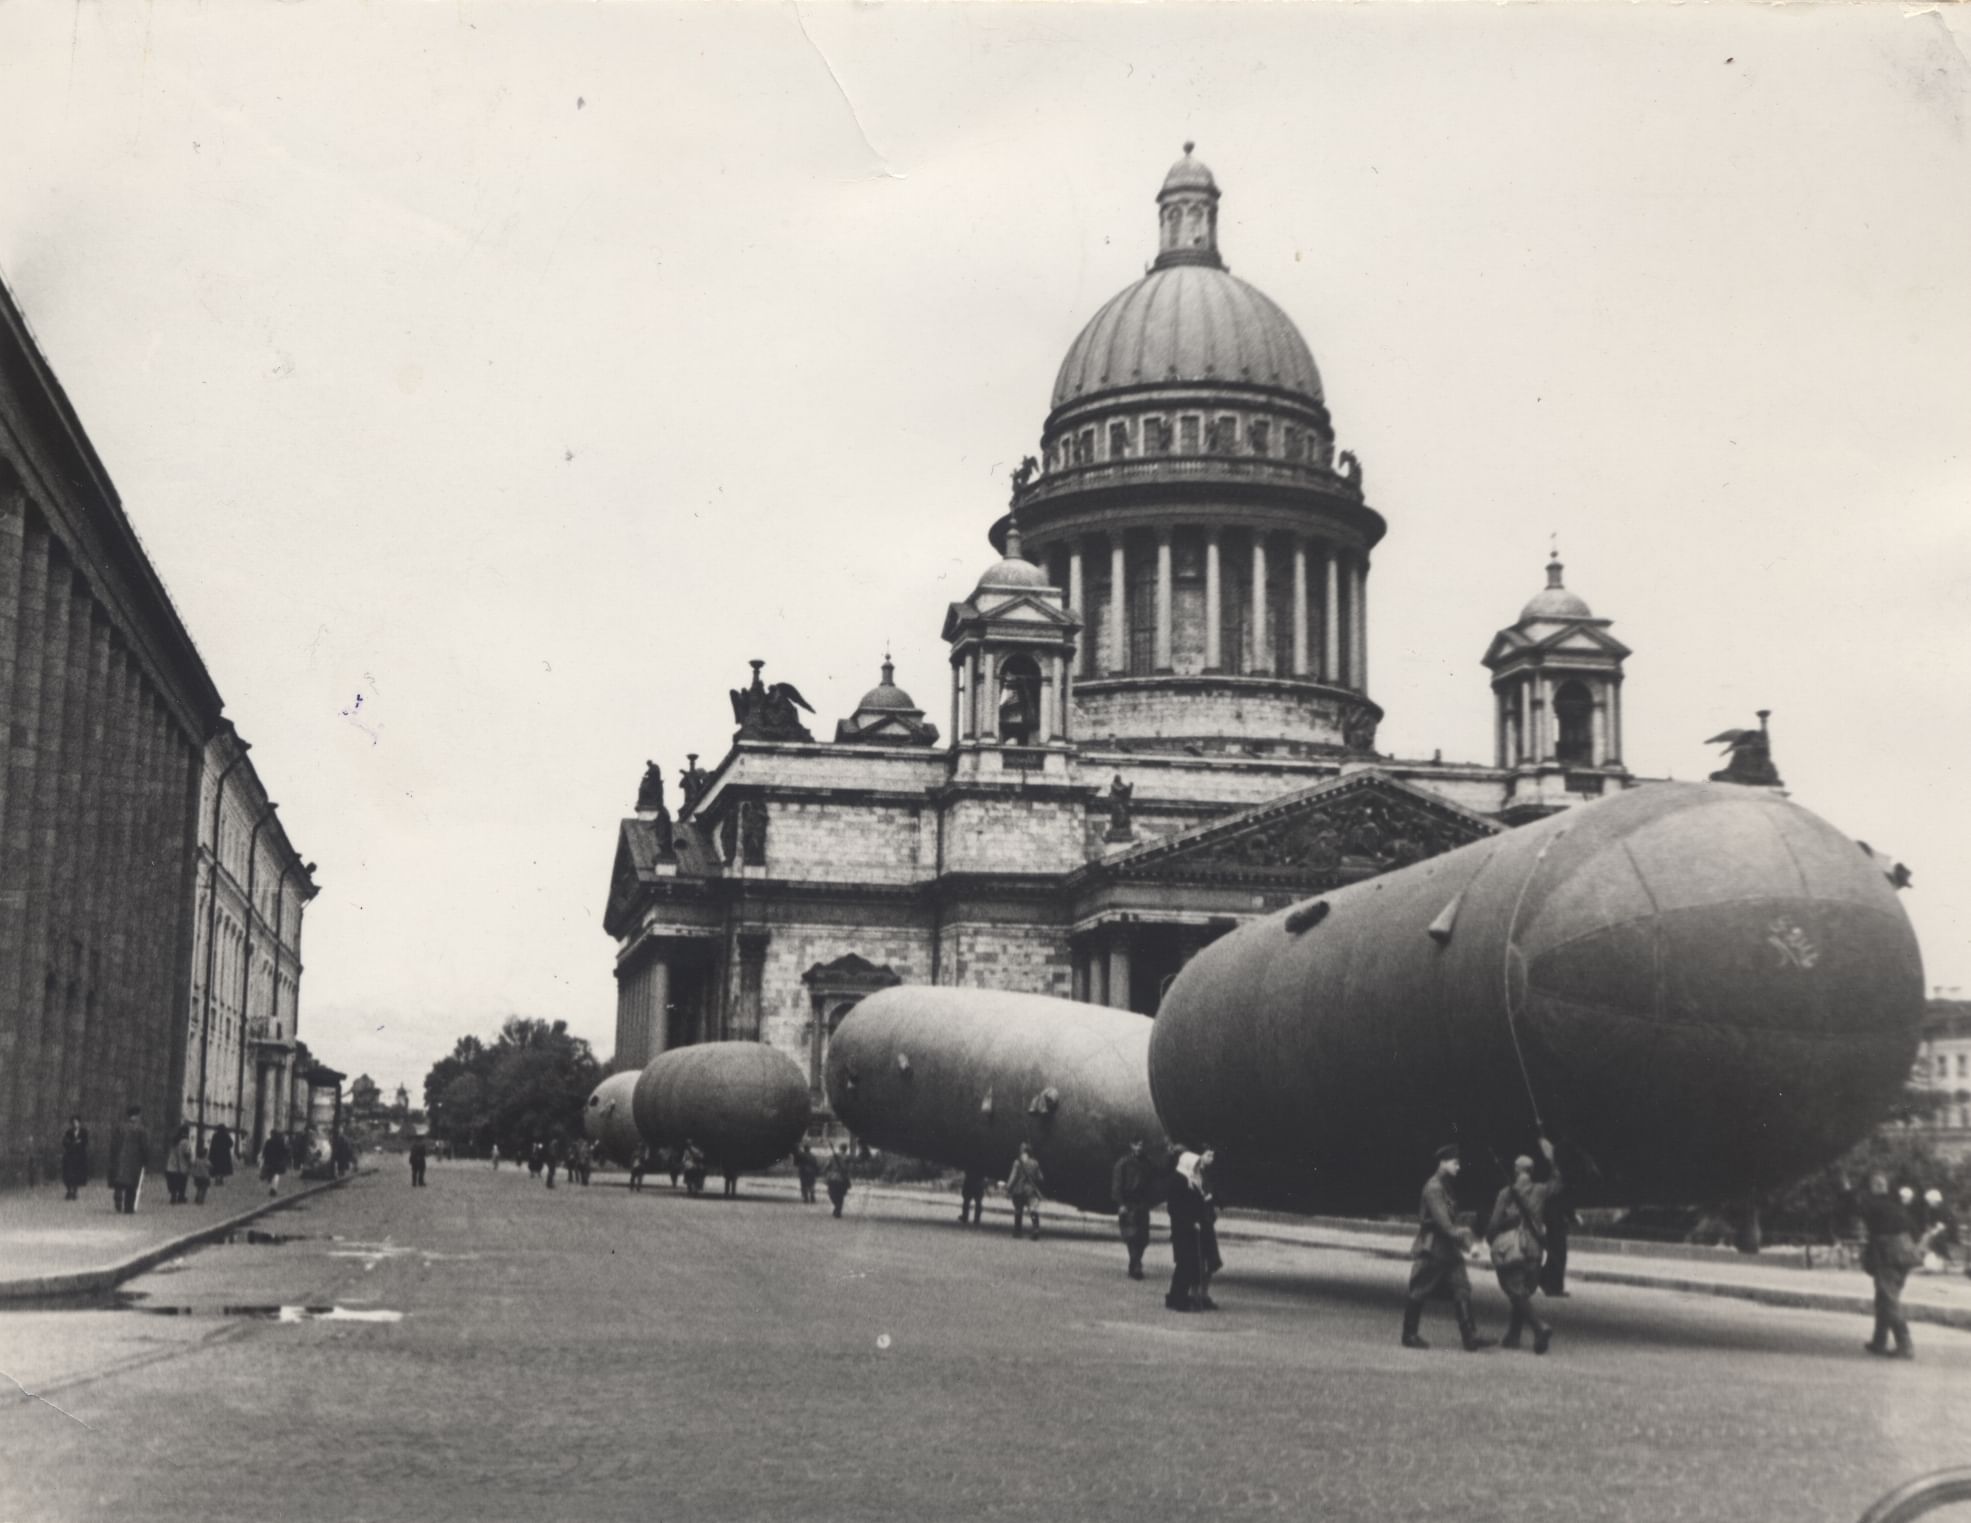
(84, 1282)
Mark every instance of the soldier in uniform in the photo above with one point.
(1517, 1232)
(693, 1168)
(808, 1167)
(1186, 1207)
(1023, 1187)
(1133, 1186)
(1437, 1258)
(1888, 1256)
(639, 1165)
(836, 1176)
(971, 1196)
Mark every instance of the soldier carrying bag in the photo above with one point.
(1522, 1243)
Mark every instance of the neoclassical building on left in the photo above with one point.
(150, 900)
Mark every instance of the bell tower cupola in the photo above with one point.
(1187, 215)
(1557, 702)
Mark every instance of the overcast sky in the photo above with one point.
(524, 370)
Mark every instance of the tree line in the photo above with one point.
(528, 1084)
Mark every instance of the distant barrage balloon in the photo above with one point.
(745, 1104)
(608, 1120)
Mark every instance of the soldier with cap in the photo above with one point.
(1437, 1258)
(1133, 1184)
(1023, 1187)
(1517, 1233)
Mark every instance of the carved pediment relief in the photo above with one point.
(1340, 832)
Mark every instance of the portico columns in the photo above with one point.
(988, 669)
(1214, 608)
(1049, 685)
(1118, 980)
(1118, 607)
(1262, 657)
(1299, 607)
(1163, 600)
(656, 1025)
(1529, 740)
(1359, 618)
(1077, 607)
(1331, 620)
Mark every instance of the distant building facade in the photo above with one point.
(1943, 1070)
(1158, 715)
(110, 716)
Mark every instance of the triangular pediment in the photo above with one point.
(1311, 841)
(1018, 608)
(625, 882)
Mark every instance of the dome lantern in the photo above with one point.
(1187, 215)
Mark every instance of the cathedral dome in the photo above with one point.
(1014, 572)
(1554, 601)
(1190, 323)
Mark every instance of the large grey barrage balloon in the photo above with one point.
(1701, 990)
(963, 1076)
(744, 1103)
(608, 1120)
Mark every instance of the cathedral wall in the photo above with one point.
(831, 841)
(1014, 834)
(1481, 795)
(786, 1004)
(1268, 713)
(1026, 959)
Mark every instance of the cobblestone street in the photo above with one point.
(597, 1354)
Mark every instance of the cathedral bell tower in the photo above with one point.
(1557, 703)
(1012, 651)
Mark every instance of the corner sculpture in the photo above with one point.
(768, 713)
(1119, 796)
(1751, 752)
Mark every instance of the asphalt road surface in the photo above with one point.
(485, 1349)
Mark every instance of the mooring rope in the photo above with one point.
(1512, 1025)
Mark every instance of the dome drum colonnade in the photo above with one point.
(1190, 507)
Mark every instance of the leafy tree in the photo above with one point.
(530, 1083)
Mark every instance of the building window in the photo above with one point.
(1187, 435)
(1961, 1065)
(1260, 436)
(1290, 442)
(1119, 440)
(1156, 436)
(1084, 446)
(1223, 436)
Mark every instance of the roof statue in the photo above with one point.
(767, 713)
(1751, 752)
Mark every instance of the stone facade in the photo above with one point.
(1159, 715)
(110, 716)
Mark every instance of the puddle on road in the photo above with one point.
(258, 1239)
(269, 1313)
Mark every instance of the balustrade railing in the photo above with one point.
(1233, 468)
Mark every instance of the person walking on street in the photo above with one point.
(129, 1156)
(417, 1163)
(178, 1165)
(1023, 1188)
(274, 1161)
(1888, 1256)
(836, 1176)
(808, 1168)
(1517, 1232)
(219, 1148)
(1133, 1186)
(1186, 1209)
(342, 1153)
(971, 1197)
(1209, 1263)
(536, 1159)
(639, 1165)
(1437, 1257)
(201, 1174)
(496, 1158)
(1559, 1218)
(731, 1183)
(553, 1159)
(75, 1157)
(693, 1168)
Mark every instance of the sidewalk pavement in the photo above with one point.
(50, 1246)
(1780, 1277)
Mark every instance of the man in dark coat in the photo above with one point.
(971, 1197)
(836, 1176)
(274, 1160)
(1517, 1232)
(75, 1157)
(220, 1150)
(1134, 1186)
(1437, 1257)
(417, 1162)
(808, 1167)
(130, 1155)
(1888, 1256)
(1023, 1187)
